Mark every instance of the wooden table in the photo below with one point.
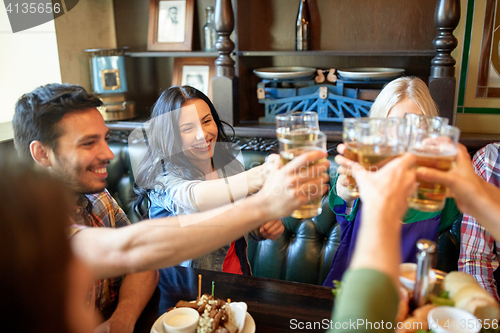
(275, 305)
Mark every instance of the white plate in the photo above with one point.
(248, 328)
(284, 73)
(361, 74)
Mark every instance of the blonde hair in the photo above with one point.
(397, 90)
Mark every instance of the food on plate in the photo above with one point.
(441, 301)
(454, 281)
(419, 315)
(468, 295)
(215, 314)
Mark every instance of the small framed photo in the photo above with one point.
(170, 26)
(194, 72)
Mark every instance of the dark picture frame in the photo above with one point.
(489, 61)
(170, 26)
(196, 72)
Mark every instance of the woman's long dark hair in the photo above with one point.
(163, 140)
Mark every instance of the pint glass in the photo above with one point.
(296, 122)
(434, 148)
(295, 144)
(380, 140)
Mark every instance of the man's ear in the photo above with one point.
(40, 153)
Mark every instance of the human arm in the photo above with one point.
(367, 295)
(218, 192)
(473, 195)
(384, 194)
(478, 254)
(373, 274)
(164, 242)
(135, 292)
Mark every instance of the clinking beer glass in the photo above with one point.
(350, 139)
(380, 140)
(296, 122)
(297, 143)
(434, 147)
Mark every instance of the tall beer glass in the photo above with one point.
(293, 145)
(350, 139)
(434, 148)
(420, 121)
(297, 121)
(380, 140)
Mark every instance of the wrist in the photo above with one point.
(125, 319)
(256, 178)
(259, 204)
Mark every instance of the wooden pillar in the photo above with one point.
(442, 83)
(224, 87)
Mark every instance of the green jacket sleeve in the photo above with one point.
(449, 214)
(368, 302)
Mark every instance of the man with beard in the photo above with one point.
(62, 130)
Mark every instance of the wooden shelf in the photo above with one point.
(197, 54)
(398, 53)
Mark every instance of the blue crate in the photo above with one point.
(333, 103)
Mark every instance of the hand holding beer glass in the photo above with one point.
(435, 146)
(294, 144)
(350, 139)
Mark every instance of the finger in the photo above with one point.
(343, 181)
(305, 159)
(358, 172)
(341, 148)
(268, 225)
(273, 158)
(311, 191)
(277, 233)
(306, 175)
(343, 161)
(434, 175)
(463, 156)
(343, 171)
(404, 162)
(272, 229)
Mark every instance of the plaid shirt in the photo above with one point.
(102, 211)
(478, 249)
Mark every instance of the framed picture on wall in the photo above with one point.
(195, 72)
(170, 26)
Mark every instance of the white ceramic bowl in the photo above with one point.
(443, 319)
(181, 320)
(408, 268)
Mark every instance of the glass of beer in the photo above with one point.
(420, 121)
(350, 139)
(380, 140)
(434, 148)
(297, 143)
(297, 121)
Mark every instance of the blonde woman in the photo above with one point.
(401, 96)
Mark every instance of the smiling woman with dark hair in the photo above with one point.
(190, 166)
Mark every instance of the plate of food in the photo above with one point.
(454, 290)
(370, 73)
(285, 73)
(216, 316)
